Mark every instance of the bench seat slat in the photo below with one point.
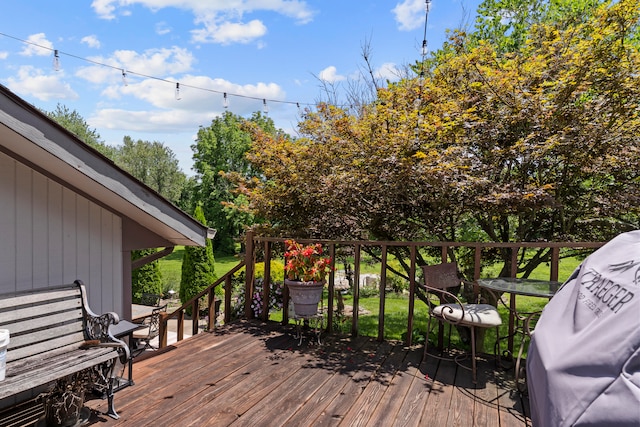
(38, 371)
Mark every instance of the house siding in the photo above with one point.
(51, 236)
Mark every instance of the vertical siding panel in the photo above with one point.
(83, 239)
(106, 279)
(95, 253)
(54, 249)
(117, 287)
(69, 236)
(40, 231)
(8, 224)
(24, 228)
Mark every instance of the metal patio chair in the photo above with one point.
(440, 283)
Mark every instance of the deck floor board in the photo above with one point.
(254, 373)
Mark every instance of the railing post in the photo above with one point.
(180, 326)
(162, 330)
(211, 320)
(249, 259)
(266, 282)
(555, 260)
(412, 294)
(383, 294)
(227, 298)
(332, 284)
(195, 316)
(356, 290)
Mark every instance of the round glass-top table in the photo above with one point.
(519, 322)
(529, 287)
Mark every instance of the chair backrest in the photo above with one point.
(441, 276)
(154, 320)
(150, 299)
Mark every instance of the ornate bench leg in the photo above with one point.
(111, 411)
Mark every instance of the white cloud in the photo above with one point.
(30, 81)
(198, 94)
(163, 28)
(330, 75)
(409, 14)
(388, 71)
(4, 54)
(222, 21)
(151, 62)
(37, 45)
(104, 8)
(156, 121)
(91, 41)
(230, 32)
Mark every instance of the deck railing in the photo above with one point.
(194, 305)
(261, 249)
(265, 245)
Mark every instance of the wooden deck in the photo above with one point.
(255, 374)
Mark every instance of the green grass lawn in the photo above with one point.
(171, 268)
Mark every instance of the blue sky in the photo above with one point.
(279, 51)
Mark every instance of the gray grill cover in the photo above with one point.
(583, 365)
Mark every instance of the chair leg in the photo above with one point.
(426, 338)
(473, 353)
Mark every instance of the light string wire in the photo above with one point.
(418, 101)
(127, 72)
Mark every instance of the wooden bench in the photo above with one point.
(56, 339)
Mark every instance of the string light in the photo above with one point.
(56, 60)
(265, 109)
(57, 54)
(418, 101)
(178, 98)
(225, 101)
(124, 78)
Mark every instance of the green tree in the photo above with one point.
(197, 266)
(75, 123)
(154, 164)
(506, 24)
(146, 279)
(536, 144)
(219, 149)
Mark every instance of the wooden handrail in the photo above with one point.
(413, 248)
(193, 303)
(266, 244)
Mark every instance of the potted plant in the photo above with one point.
(63, 403)
(306, 270)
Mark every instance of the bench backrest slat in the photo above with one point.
(37, 296)
(43, 335)
(42, 322)
(56, 343)
(35, 311)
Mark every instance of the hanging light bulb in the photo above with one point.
(225, 101)
(178, 98)
(265, 109)
(56, 60)
(124, 78)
